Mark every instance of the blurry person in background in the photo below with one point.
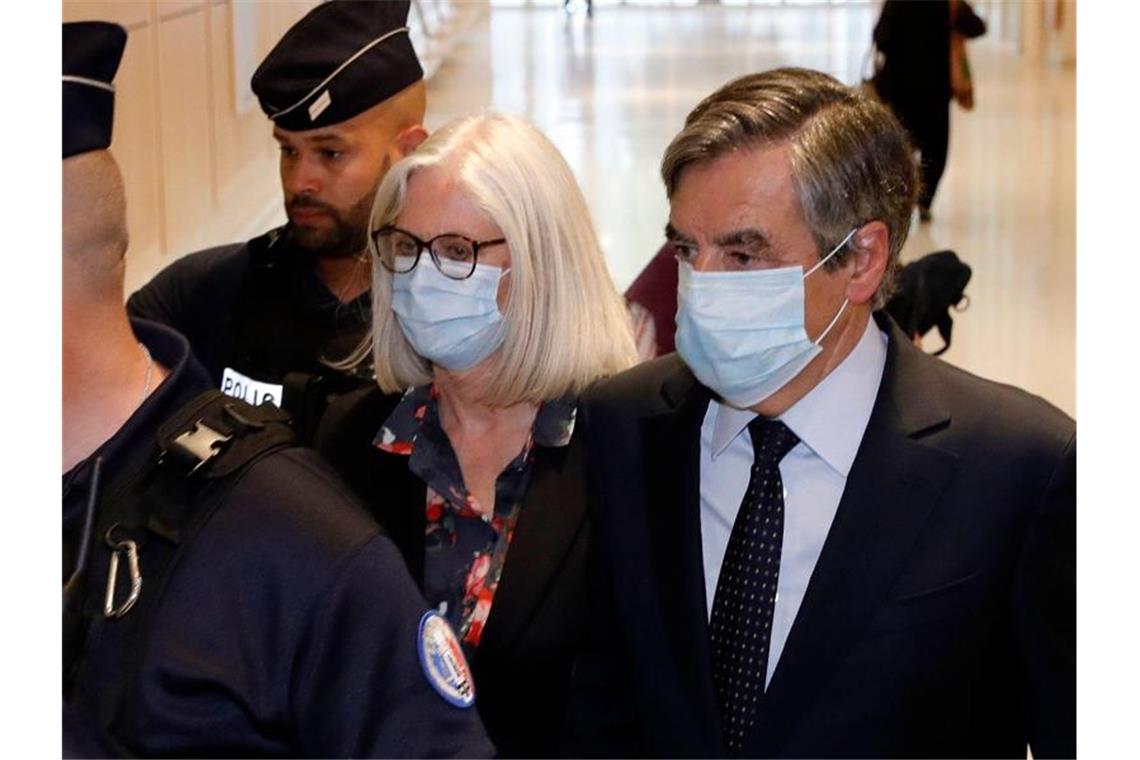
(570, 7)
(652, 301)
(923, 68)
(492, 302)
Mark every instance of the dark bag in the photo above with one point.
(964, 24)
(928, 288)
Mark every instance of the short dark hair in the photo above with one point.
(852, 162)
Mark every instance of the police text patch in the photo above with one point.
(249, 390)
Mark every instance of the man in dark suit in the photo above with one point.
(811, 538)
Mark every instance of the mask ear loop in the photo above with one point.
(834, 319)
(834, 250)
(842, 308)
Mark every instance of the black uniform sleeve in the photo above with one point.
(360, 688)
(189, 288)
(195, 295)
(1045, 603)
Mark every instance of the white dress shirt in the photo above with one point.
(829, 421)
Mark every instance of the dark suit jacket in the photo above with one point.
(939, 620)
(522, 665)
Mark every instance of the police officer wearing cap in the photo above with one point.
(345, 93)
(224, 594)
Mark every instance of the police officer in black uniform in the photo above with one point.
(345, 93)
(224, 594)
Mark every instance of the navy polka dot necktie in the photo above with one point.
(740, 628)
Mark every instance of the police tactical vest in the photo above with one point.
(275, 353)
(135, 536)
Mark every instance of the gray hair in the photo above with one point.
(566, 324)
(852, 162)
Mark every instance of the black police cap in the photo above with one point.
(341, 59)
(92, 51)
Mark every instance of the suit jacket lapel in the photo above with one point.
(551, 518)
(671, 460)
(893, 485)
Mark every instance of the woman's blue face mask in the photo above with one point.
(453, 323)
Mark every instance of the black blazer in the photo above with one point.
(522, 665)
(940, 619)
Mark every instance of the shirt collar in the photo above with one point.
(553, 425)
(831, 418)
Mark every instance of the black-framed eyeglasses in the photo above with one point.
(455, 256)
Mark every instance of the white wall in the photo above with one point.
(198, 172)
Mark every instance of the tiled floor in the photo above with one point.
(612, 92)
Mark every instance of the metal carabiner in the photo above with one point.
(110, 611)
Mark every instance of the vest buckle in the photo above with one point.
(199, 445)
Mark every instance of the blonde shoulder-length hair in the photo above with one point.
(565, 324)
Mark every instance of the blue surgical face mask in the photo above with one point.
(453, 323)
(742, 333)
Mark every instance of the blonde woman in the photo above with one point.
(493, 309)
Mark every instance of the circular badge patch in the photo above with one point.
(443, 661)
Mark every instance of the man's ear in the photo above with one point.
(872, 251)
(409, 139)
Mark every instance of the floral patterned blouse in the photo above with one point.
(464, 552)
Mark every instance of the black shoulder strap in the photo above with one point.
(211, 440)
(264, 307)
(308, 396)
(216, 435)
(203, 451)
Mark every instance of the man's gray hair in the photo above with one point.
(852, 161)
